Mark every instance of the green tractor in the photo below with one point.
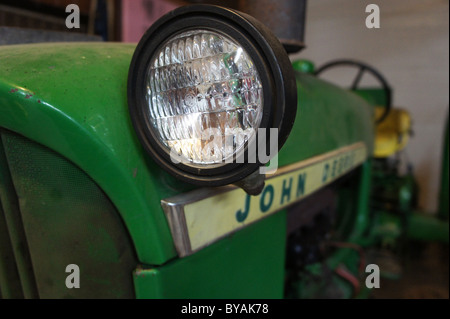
(200, 164)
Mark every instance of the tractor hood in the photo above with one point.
(72, 98)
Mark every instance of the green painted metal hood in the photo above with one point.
(71, 97)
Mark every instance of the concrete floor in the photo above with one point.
(425, 274)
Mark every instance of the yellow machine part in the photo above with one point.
(392, 134)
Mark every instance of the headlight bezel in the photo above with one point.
(269, 58)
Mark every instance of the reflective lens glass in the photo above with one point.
(204, 96)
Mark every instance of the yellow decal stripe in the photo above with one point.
(201, 217)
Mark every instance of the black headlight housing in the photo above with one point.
(270, 60)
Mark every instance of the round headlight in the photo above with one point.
(202, 82)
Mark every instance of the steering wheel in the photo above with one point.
(362, 69)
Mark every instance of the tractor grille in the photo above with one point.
(52, 215)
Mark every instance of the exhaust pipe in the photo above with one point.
(286, 18)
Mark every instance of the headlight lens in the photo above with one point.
(205, 97)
